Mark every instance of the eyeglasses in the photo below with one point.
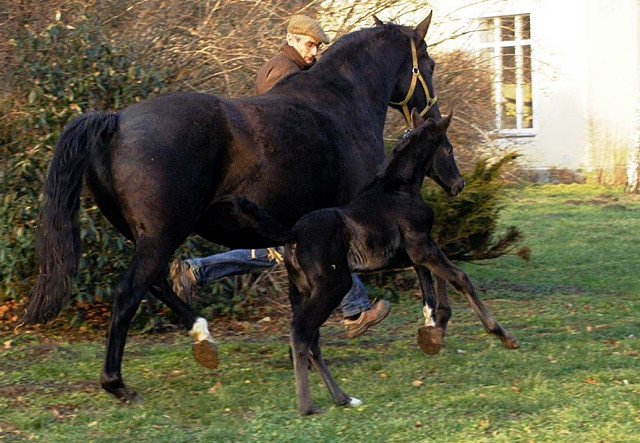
(310, 44)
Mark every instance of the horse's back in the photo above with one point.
(162, 164)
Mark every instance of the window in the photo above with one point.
(505, 45)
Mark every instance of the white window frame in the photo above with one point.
(496, 45)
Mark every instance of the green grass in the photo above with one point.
(574, 308)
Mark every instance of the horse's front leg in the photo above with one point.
(431, 335)
(204, 348)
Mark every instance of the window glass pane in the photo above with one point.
(508, 87)
(508, 64)
(507, 29)
(526, 27)
(527, 118)
(486, 30)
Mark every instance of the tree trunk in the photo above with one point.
(633, 165)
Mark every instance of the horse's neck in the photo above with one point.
(362, 76)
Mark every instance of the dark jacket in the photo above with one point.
(285, 62)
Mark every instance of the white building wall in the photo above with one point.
(585, 77)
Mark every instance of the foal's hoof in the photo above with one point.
(310, 410)
(430, 339)
(128, 396)
(206, 353)
(113, 384)
(509, 341)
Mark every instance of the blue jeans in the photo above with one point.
(246, 261)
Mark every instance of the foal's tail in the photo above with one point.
(248, 215)
(58, 233)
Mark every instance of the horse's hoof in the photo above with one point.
(509, 341)
(206, 353)
(354, 402)
(430, 339)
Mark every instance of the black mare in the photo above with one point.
(189, 163)
(387, 225)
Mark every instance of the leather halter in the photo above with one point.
(414, 80)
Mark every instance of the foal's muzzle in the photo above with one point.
(457, 187)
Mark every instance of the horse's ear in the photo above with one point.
(423, 27)
(416, 119)
(377, 21)
(443, 124)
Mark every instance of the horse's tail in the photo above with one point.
(58, 233)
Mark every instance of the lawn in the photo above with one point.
(574, 307)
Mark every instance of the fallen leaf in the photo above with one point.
(591, 381)
(214, 388)
(417, 383)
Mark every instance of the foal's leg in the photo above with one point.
(338, 396)
(300, 352)
(308, 315)
(430, 336)
(434, 259)
(204, 348)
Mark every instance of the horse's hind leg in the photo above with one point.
(127, 296)
(439, 264)
(204, 348)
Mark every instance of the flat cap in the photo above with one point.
(301, 24)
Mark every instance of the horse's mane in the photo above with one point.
(353, 42)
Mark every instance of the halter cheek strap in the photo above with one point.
(414, 80)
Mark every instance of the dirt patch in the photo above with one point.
(18, 393)
(607, 201)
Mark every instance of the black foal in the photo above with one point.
(387, 225)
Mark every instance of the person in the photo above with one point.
(297, 53)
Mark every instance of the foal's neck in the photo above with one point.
(406, 166)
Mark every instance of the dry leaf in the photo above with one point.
(417, 383)
(214, 388)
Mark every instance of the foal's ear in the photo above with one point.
(377, 21)
(416, 119)
(423, 27)
(443, 124)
